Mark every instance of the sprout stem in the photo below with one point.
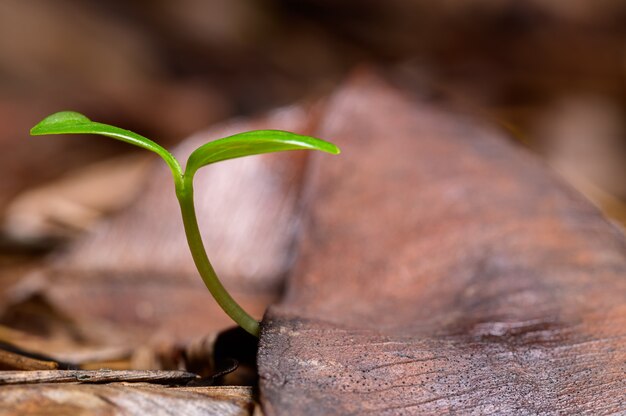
(184, 192)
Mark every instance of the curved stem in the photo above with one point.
(184, 192)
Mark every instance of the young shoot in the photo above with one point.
(239, 145)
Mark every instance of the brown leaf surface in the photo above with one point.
(75, 202)
(443, 270)
(124, 399)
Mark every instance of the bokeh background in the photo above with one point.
(553, 72)
(550, 72)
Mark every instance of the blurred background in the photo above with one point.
(552, 73)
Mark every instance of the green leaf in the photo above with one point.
(70, 122)
(253, 143)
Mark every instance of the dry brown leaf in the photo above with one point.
(444, 270)
(75, 202)
(119, 398)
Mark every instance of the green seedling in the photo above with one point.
(238, 145)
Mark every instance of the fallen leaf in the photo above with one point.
(443, 269)
(121, 398)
